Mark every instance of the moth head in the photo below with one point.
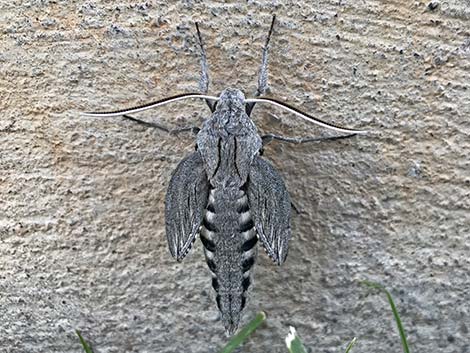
(231, 98)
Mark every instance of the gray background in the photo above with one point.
(82, 242)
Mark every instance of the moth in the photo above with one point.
(225, 193)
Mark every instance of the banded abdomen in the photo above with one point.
(229, 239)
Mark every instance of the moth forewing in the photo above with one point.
(270, 201)
(185, 203)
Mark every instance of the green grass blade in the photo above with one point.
(350, 345)
(244, 333)
(401, 330)
(293, 342)
(85, 345)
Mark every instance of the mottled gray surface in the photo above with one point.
(82, 241)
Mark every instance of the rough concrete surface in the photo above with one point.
(82, 241)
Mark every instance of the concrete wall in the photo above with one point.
(82, 242)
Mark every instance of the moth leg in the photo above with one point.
(294, 207)
(263, 70)
(171, 131)
(204, 79)
(266, 139)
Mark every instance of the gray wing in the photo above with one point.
(185, 202)
(270, 204)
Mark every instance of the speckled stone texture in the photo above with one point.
(82, 241)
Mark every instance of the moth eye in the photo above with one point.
(195, 147)
(261, 151)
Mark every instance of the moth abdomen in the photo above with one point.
(229, 238)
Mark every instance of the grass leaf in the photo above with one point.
(401, 330)
(293, 342)
(244, 333)
(85, 345)
(351, 344)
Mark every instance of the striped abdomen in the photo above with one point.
(229, 239)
